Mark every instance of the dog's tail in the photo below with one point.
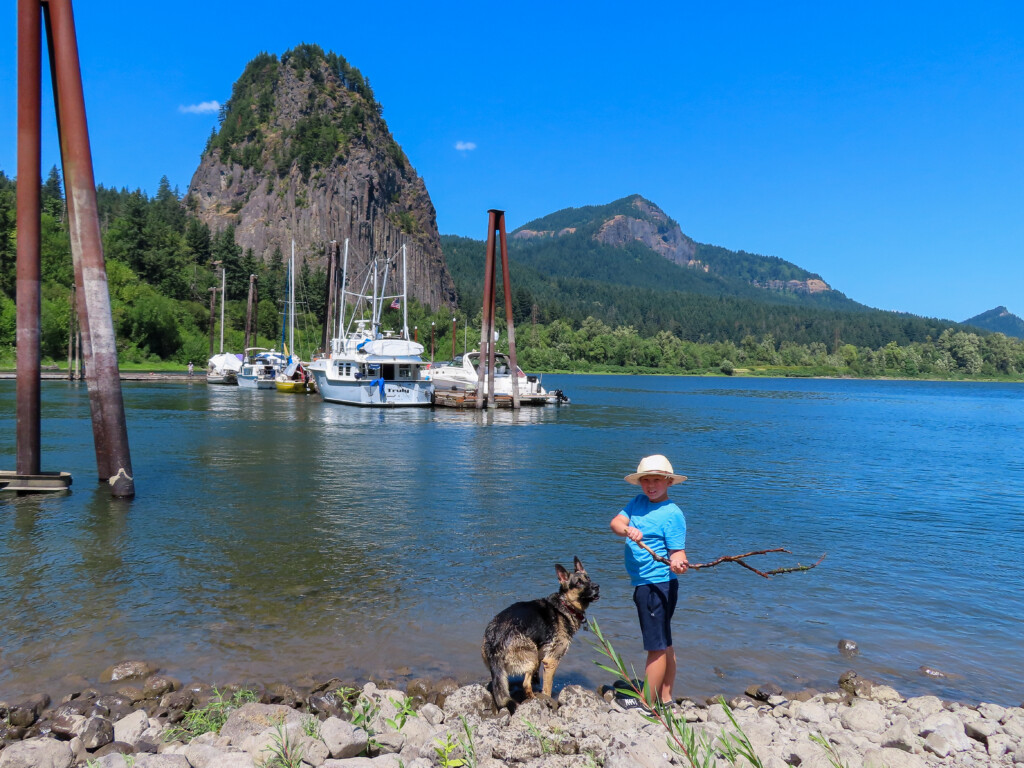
(499, 684)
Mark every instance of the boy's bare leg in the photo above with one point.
(661, 673)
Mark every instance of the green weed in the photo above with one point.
(210, 718)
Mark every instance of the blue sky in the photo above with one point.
(878, 144)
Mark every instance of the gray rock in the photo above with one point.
(937, 744)
(926, 705)
(162, 761)
(432, 713)
(202, 755)
(251, 719)
(948, 726)
(991, 711)
(37, 753)
(809, 712)
(998, 744)
(901, 736)
(981, 730)
(469, 700)
(643, 751)
(1013, 724)
(892, 758)
(66, 725)
(343, 740)
(129, 729)
(863, 715)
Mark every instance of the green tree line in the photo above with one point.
(164, 266)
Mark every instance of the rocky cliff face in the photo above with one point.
(302, 153)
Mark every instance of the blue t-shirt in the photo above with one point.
(664, 528)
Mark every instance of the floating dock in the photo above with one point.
(41, 483)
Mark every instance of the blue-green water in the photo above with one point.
(276, 535)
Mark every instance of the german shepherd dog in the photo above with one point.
(527, 635)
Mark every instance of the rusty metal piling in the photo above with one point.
(495, 231)
(110, 433)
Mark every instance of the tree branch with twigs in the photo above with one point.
(739, 560)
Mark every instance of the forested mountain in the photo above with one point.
(999, 320)
(628, 264)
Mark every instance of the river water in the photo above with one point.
(274, 536)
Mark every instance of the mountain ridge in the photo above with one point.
(999, 320)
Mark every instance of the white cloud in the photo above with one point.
(465, 146)
(203, 108)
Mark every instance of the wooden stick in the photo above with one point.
(738, 559)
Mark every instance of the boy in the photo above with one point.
(650, 517)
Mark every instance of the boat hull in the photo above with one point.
(292, 387)
(251, 382)
(229, 378)
(393, 394)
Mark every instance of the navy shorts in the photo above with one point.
(655, 604)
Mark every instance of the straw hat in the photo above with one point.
(654, 465)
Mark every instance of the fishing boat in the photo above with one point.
(260, 368)
(366, 365)
(223, 369)
(458, 380)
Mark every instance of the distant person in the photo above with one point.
(657, 522)
(190, 367)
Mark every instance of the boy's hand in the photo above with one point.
(678, 562)
(634, 534)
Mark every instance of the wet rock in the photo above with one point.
(133, 693)
(115, 707)
(855, 685)
(279, 693)
(418, 688)
(764, 691)
(26, 713)
(114, 748)
(65, 724)
(325, 703)
(848, 648)
(127, 670)
(931, 672)
(97, 732)
(156, 686)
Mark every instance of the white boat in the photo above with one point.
(461, 376)
(223, 369)
(366, 365)
(260, 368)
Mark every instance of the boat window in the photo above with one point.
(405, 372)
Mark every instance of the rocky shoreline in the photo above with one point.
(139, 717)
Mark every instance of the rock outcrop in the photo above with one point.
(302, 153)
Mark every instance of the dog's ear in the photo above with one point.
(579, 565)
(563, 575)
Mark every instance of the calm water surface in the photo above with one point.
(274, 536)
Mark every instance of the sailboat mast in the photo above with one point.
(405, 304)
(344, 282)
(223, 285)
(291, 307)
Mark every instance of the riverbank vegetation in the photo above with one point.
(163, 277)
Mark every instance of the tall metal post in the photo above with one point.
(28, 223)
(510, 321)
(223, 291)
(487, 324)
(102, 373)
(248, 310)
(453, 336)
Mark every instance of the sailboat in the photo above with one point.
(222, 368)
(294, 379)
(369, 366)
